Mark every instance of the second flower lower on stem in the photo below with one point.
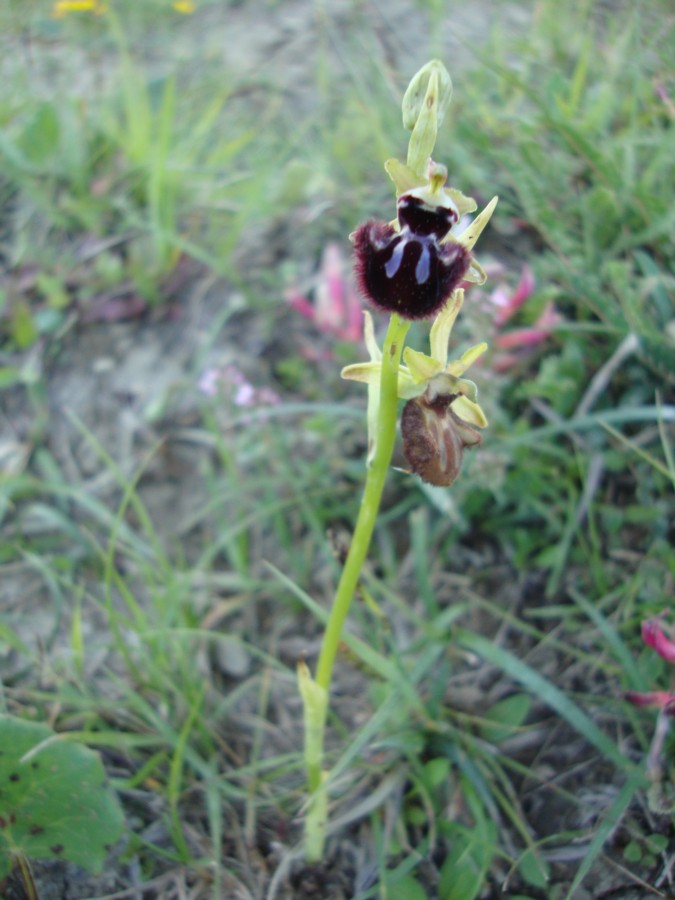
(442, 413)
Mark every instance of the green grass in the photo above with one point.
(480, 685)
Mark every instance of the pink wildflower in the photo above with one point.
(232, 380)
(530, 337)
(208, 382)
(508, 305)
(337, 308)
(654, 637)
(655, 699)
(519, 342)
(664, 97)
(658, 763)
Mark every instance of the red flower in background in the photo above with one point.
(518, 343)
(336, 307)
(659, 761)
(655, 637)
(654, 699)
(509, 304)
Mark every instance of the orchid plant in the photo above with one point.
(412, 268)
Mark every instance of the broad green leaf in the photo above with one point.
(55, 802)
(437, 771)
(464, 871)
(549, 694)
(534, 869)
(23, 328)
(505, 717)
(40, 138)
(404, 888)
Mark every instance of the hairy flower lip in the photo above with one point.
(411, 266)
(408, 271)
(407, 182)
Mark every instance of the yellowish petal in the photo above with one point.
(367, 373)
(442, 327)
(470, 235)
(466, 387)
(464, 204)
(62, 7)
(403, 177)
(459, 366)
(420, 366)
(469, 412)
(374, 351)
(407, 387)
(373, 415)
(476, 273)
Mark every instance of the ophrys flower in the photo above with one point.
(430, 376)
(412, 265)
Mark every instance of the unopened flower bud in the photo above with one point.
(425, 103)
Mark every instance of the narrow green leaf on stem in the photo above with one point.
(315, 703)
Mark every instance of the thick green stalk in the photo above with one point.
(316, 693)
(370, 503)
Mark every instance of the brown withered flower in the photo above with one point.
(443, 409)
(434, 436)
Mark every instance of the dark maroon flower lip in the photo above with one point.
(407, 272)
(424, 219)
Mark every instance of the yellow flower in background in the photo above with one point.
(63, 7)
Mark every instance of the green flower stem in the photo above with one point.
(365, 524)
(372, 494)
